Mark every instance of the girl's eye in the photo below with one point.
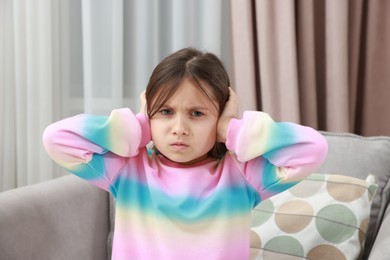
(166, 112)
(197, 114)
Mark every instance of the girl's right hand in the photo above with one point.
(230, 111)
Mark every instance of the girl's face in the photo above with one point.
(184, 130)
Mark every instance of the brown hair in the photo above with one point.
(197, 66)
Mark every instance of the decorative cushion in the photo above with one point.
(323, 217)
(354, 155)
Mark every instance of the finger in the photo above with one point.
(233, 100)
(142, 99)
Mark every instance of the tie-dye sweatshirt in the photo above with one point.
(166, 210)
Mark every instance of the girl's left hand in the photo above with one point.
(230, 111)
(142, 100)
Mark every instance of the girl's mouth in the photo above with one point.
(179, 146)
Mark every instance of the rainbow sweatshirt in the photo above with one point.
(166, 210)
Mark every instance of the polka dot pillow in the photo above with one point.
(322, 217)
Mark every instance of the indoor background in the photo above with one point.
(321, 63)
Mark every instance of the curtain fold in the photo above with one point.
(336, 72)
(33, 72)
(321, 63)
(7, 96)
(102, 38)
(306, 55)
(27, 77)
(245, 80)
(376, 83)
(278, 61)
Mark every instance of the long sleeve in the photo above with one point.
(276, 155)
(96, 147)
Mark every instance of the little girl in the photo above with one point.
(191, 195)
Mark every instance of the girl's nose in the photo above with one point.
(180, 127)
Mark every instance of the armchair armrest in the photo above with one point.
(64, 218)
(381, 247)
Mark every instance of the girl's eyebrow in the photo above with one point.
(190, 108)
(198, 108)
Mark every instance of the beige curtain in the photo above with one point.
(323, 63)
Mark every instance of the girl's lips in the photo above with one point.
(179, 146)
